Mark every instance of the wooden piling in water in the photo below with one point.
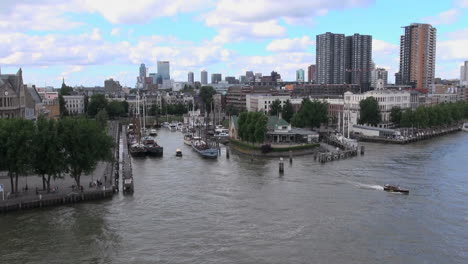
(281, 166)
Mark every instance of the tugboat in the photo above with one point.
(392, 188)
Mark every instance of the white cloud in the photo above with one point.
(461, 3)
(140, 11)
(382, 47)
(238, 19)
(72, 69)
(288, 45)
(115, 32)
(444, 18)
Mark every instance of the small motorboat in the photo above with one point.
(178, 153)
(391, 188)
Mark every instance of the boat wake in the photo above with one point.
(369, 186)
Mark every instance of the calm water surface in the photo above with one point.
(190, 210)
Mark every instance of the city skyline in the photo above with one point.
(87, 42)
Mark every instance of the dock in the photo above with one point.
(421, 134)
(345, 151)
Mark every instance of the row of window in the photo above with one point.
(8, 102)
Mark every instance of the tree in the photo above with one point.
(62, 108)
(98, 102)
(85, 144)
(154, 110)
(47, 148)
(65, 90)
(125, 106)
(261, 128)
(311, 114)
(101, 118)
(15, 153)
(206, 95)
(252, 126)
(115, 109)
(395, 115)
(275, 108)
(369, 113)
(288, 111)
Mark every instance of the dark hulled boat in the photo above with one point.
(391, 188)
(151, 147)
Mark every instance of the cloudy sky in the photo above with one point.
(87, 41)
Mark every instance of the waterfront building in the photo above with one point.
(358, 60)
(190, 78)
(387, 99)
(379, 74)
(12, 95)
(236, 95)
(204, 77)
(74, 104)
(330, 59)
(311, 70)
(279, 132)
(300, 75)
(417, 56)
(216, 78)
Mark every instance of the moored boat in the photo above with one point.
(465, 127)
(392, 188)
(188, 139)
(151, 147)
(137, 150)
(202, 148)
(153, 132)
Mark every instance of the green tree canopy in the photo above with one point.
(288, 111)
(206, 95)
(98, 102)
(47, 148)
(275, 108)
(85, 144)
(15, 143)
(252, 126)
(395, 115)
(369, 113)
(311, 114)
(115, 109)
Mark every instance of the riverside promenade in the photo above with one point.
(412, 136)
(63, 191)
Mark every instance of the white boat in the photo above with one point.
(153, 132)
(173, 127)
(465, 127)
(188, 139)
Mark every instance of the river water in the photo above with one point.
(238, 210)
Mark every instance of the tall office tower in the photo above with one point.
(300, 75)
(163, 70)
(464, 74)
(216, 78)
(204, 77)
(311, 73)
(330, 61)
(142, 71)
(358, 60)
(418, 55)
(379, 74)
(190, 77)
(242, 79)
(249, 75)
